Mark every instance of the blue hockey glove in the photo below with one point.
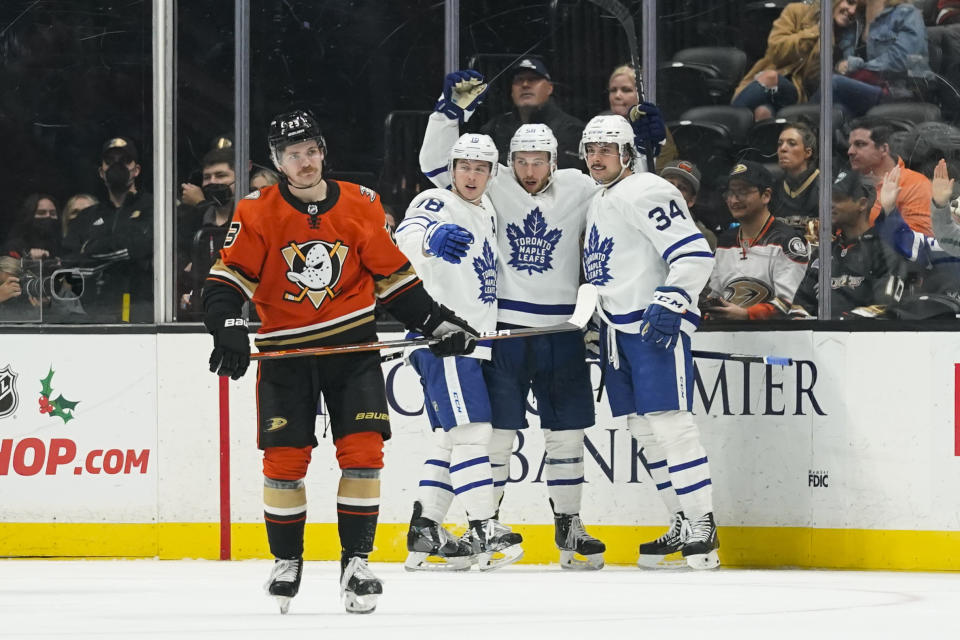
(463, 92)
(231, 349)
(448, 241)
(649, 132)
(661, 321)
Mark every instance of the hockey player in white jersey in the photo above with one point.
(450, 238)
(649, 262)
(540, 213)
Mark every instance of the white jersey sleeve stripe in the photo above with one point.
(692, 254)
(679, 243)
(435, 172)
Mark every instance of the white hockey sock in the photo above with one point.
(501, 448)
(470, 473)
(435, 492)
(655, 460)
(686, 460)
(564, 468)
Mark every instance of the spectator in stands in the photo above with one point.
(796, 198)
(946, 210)
(888, 64)
(867, 274)
(685, 176)
(531, 91)
(759, 264)
(622, 94)
(789, 72)
(263, 177)
(15, 306)
(118, 232)
(36, 233)
(71, 210)
(870, 155)
(213, 211)
(9, 278)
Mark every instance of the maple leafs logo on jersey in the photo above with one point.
(60, 407)
(596, 258)
(315, 266)
(486, 268)
(531, 248)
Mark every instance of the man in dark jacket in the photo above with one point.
(866, 273)
(530, 91)
(118, 233)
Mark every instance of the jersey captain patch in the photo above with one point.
(531, 248)
(315, 267)
(596, 258)
(486, 268)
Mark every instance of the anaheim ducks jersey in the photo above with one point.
(314, 270)
(641, 236)
(539, 235)
(469, 288)
(761, 275)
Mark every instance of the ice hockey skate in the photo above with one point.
(653, 554)
(578, 549)
(432, 548)
(359, 587)
(494, 544)
(700, 549)
(284, 581)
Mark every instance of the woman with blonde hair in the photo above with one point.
(72, 209)
(622, 94)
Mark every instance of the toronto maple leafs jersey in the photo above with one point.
(640, 236)
(470, 287)
(538, 235)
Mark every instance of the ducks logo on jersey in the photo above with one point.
(596, 258)
(531, 248)
(315, 267)
(486, 268)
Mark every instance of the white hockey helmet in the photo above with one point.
(610, 129)
(535, 137)
(474, 146)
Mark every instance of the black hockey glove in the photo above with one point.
(457, 338)
(231, 349)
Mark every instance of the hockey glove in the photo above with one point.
(231, 349)
(457, 338)
(661, 320)
(649, 132)
(448, 241)
(463, 92)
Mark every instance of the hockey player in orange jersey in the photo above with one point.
(314, 256)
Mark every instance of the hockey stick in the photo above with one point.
(582, 312)
(740, 357)
(622, 14)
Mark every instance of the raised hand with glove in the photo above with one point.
(448, 241)
(649, 130)
(661, 320)
(457, 338)
(231, 348)
(463, 92)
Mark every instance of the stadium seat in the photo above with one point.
(903, 115)
(761, 144)
(711, 137)
(682, 87)
(757, 20)
(730, 64)
(400, 179)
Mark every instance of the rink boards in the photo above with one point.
(847, 459)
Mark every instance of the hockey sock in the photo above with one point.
(358, 505)
(686, 460)
(470, 473)
(501, 448)
(654, 460)
(284, 513)
(435, 492)
(564, 468)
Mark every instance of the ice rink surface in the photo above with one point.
(109, 599)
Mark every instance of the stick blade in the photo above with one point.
(586, 304)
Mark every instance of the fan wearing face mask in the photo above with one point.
(118, 233)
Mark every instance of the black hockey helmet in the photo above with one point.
(290, 128)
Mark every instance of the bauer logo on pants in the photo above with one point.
(9, 400)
